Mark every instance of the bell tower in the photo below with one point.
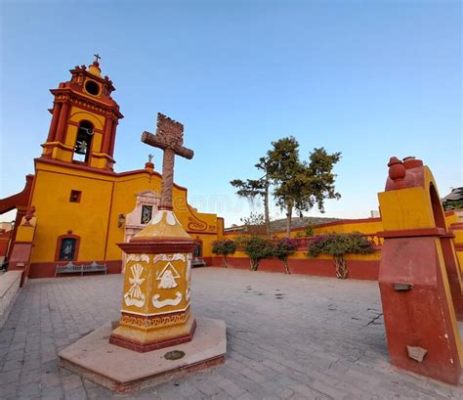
(84, 119)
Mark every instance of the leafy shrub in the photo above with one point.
(308, 230)
(338, 245)
(283, 249)
(256, 248)
(224, 248)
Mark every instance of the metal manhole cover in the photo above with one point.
(174, 355)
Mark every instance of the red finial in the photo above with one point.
(396, 169)
(149, 165)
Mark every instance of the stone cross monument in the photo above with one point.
(156, 299)
(168, 137)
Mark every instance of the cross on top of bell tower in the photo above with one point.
(97, 58)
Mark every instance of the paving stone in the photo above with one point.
(312, 343)
(52, 393)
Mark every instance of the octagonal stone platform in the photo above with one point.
(123, 370)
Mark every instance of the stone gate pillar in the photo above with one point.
(419, 278)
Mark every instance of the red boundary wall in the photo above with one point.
(366, 270)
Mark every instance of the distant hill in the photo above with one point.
(279, 225)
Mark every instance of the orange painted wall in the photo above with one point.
(104, 196)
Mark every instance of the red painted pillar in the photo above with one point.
(62, 123)
(113, 139)
(54, 122)
(107, 135)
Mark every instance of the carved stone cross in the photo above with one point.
(168, 137)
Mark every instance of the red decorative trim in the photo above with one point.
(103, 155)
(459, 246)
(348, 221)
(59, 145)
(201, 232)
(58, 246)
(456, 226)
(441, 232)
(160, 245)
(99, 105)
(145, 347)
(20, 199)
(78, 124)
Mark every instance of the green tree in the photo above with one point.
(252, 188)
(256, 248)
(224, 248)
(300, 185)
(338, 245)
(283, 249)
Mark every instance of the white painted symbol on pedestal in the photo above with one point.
(134, 296)
(139, 258)
(167, 277)
(167, 302)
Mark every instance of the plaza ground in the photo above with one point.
(289, 337)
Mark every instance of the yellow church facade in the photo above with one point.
(76, 209)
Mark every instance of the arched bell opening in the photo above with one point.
(83, 143)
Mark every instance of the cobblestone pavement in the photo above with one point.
(289, 337)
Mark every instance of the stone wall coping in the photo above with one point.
(8, 280)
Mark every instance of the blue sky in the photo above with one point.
(371, 79)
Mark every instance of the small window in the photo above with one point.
(146, 214)
(67, 250)
(75, 196)
(92, 87)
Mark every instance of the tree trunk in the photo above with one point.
(341, 267)
(225, 261)
(254, 264)
(285, 262)
(266, 209)
(289, 215)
